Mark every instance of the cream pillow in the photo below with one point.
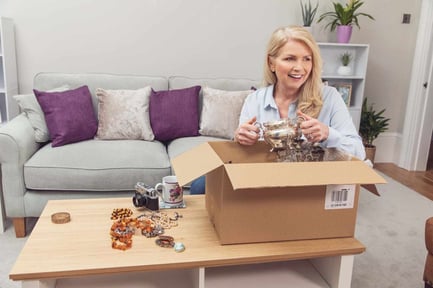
(124, 114)
(220, 112)
(29, 105)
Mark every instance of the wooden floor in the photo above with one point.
(421, 182)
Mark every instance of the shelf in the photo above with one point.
(343, 45)
(8, 70)
(331, 53)
(299, 273)
(174, 278)
(349, 77)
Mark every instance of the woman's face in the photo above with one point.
(292, 65)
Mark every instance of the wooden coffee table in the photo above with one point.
(63, 255)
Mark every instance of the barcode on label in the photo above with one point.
(339, 196)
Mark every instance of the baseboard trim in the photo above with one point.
(388, 146)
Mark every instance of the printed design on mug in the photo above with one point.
(170, 191)
(176, 194)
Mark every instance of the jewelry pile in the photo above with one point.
(300, 151)
(120, 213)
(165, 241)
(121, 233)
(151, 224)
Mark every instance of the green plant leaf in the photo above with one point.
(344, 15)
(308, 12)
(372, 123)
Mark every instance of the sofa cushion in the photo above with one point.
(220, 112)
(181, 145)
(174, 113)
(124, 114)
(97, 165)
(33, 111)
(229, 84)
(69, 115)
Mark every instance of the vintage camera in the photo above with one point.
(145, 196)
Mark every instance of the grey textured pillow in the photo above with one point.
(29, 105)
(220, 112)
(124, 114)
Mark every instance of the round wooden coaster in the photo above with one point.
(61, 217)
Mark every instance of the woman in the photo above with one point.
(293, 87)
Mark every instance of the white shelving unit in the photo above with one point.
(298, 273)
(8, 84)
(331, 61)
(8, 71)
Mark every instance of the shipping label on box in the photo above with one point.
(340, 197)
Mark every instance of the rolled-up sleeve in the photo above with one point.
(342, 132)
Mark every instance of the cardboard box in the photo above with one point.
(251, 198)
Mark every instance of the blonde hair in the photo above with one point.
(310, 95)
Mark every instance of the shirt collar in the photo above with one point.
(269, 98)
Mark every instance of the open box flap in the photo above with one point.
(251, 175)
(195, 163)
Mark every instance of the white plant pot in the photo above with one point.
(344, 70)
(309, 29)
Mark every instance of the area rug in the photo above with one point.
(392, 228)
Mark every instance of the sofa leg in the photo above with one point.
(20, 227)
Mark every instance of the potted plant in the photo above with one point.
(343, 18)
(372, 124)
(308, 12)
(344, 68)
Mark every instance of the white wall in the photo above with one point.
(392, 47)
(150, 37)
(209, 38)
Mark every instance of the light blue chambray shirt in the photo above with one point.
(334, 113)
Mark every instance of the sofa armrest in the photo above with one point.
(17, 142)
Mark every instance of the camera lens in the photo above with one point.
(138, 200)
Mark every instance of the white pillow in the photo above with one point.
(124, 114)
(220, 112)
(29, 105)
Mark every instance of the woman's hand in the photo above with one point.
(313, 129)
(247, 133)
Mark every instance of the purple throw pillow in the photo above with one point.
(69, 115)
(174, 113)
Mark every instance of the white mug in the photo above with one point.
(170, 191)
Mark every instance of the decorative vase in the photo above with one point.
(309, 29)
(370, 153)
(344, 70)
(344, 32)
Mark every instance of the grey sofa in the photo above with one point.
(33, 173)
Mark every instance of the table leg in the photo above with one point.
(336, 270)
(50, 283)
(198, 277)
